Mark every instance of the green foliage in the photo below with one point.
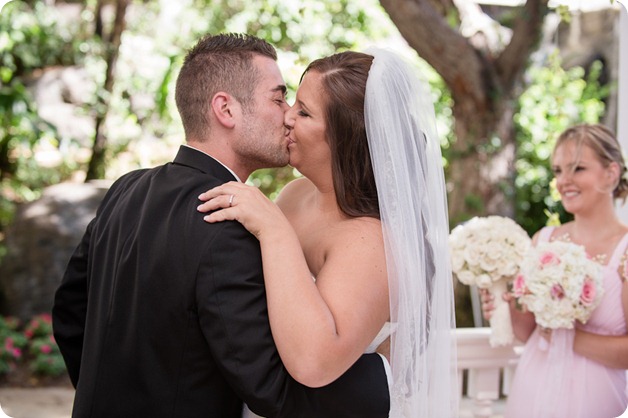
(554, 100)
(31, 39)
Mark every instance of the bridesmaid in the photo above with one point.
(581, 372)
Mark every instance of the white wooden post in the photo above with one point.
(484, 365)
(622, 93)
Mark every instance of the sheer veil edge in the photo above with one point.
(407, 162)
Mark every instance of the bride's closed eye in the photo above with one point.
(303, 113)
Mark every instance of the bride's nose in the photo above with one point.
(288, 118)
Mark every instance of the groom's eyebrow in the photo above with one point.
(282, 88)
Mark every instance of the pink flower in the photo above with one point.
(45, 349)
(588, 292)
(548, 258)
(17, 353)
(557, 292)
(519, 286)
(29, 333)
(8, 343)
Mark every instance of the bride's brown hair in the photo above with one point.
(344, 78)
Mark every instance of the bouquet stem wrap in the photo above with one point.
(501, 327)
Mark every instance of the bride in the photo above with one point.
(355, 252)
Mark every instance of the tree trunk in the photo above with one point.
(482, 83)
(482, 168)
(97, 164)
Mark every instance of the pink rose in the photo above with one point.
(548, 258)
(557, 292)
(519, 286)
(17, 353)
(588, 292)
(45, 349)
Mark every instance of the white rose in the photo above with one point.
(466, 277)
(483, 281)
(457, 262)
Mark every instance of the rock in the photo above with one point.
(39, 243)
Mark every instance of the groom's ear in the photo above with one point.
(225, 109)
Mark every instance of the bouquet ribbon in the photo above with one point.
(560, 358)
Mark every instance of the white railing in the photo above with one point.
(484, 372)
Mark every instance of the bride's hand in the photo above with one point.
(245, 204)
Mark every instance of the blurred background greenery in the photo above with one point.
(502, 91)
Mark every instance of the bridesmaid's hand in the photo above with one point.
(486, 297)
(488, 307)
(243, 203)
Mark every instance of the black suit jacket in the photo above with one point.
(161, 314)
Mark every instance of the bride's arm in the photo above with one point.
(320, 328)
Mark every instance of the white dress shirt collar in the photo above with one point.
(217, 160)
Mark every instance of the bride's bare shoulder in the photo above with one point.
(293, 192)
(360, 231)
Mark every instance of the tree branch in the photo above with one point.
(450, 53)
(526, 34)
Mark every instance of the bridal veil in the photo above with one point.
(407, 163)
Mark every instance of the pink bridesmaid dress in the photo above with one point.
(552, 381)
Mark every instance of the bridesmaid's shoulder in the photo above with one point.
(559, 231)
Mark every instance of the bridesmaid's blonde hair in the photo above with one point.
(605, 145)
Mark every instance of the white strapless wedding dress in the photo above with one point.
(381, 336)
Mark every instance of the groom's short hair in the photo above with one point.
(217, 63)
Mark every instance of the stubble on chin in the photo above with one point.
(257, 156)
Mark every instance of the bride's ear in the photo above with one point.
(225, 109)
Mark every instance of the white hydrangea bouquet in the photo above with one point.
(559, 283)
(486, 252)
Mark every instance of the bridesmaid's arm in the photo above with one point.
(523, 323)
(610, 350)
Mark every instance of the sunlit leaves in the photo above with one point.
(555, 99)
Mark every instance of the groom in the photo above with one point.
(160, 314)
